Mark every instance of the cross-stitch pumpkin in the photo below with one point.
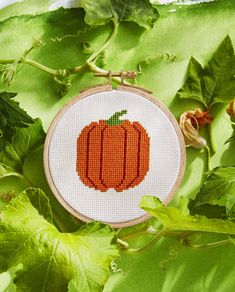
(113, 153)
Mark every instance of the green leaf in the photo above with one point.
(11, 116)
(100, 12)
(194, 83)
(174, 220)
(215, 83)
(208, 210)
(40, 201)
(13, 113)
(218, 189)
(3, 120)
(219, 74)
(86, 48)
(5, 198)
(50, 259)
(23, 142)
(232, 239)
(184, 202)
(19, 159)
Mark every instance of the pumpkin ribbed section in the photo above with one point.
(113, 156)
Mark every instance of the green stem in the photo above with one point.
(64, 72)
(134, 234)
(9, 61)
(123, 243)
(159, 235)
(93, 56)
(149, 230)
(101, 49)
(96, 69)
(59, 72)
(89, 64)
(209, 245)
(178, 235)
(78, 69)
(37, 65)
(211, 139)
(28, 51)
(208, 159)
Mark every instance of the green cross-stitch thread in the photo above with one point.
(114, 120)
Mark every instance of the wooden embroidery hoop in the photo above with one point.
(103, 88)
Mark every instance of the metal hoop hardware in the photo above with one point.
(122, 74)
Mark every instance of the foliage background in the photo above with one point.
(163, 54)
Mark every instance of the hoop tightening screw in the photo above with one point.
(122, 74)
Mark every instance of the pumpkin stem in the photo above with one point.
(114, 120)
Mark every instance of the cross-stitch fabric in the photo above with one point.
(108, 150)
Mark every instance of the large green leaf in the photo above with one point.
(173, 219)
(11, 116)
(216, 82)
(102, 11)
(15, 116)
(194, 84)
(18, 161)
(52, 259)
(23, 142)
(40, 202)
(218, 189)
(23, 7)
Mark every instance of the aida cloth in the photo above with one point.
(102, 166)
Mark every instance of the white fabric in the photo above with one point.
(112, 206)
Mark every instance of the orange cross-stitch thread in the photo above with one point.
(113, 154)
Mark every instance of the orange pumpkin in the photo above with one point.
(113, 153)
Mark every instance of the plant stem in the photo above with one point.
(211, 139)
(159, 235)
(9, 61)
(28, 51)
(101, 49)
(59, 72)
(149, 230)
(78, 69)
(97, 69)
(209, 245)
(91, 59)
(178, 236)
(89, 64)
(135, 233)
(208, 159)
(123, 243)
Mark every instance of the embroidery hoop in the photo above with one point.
(107, 88)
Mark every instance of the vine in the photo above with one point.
(62, 75)
(184, 238)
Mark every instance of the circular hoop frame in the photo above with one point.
(103, 88)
